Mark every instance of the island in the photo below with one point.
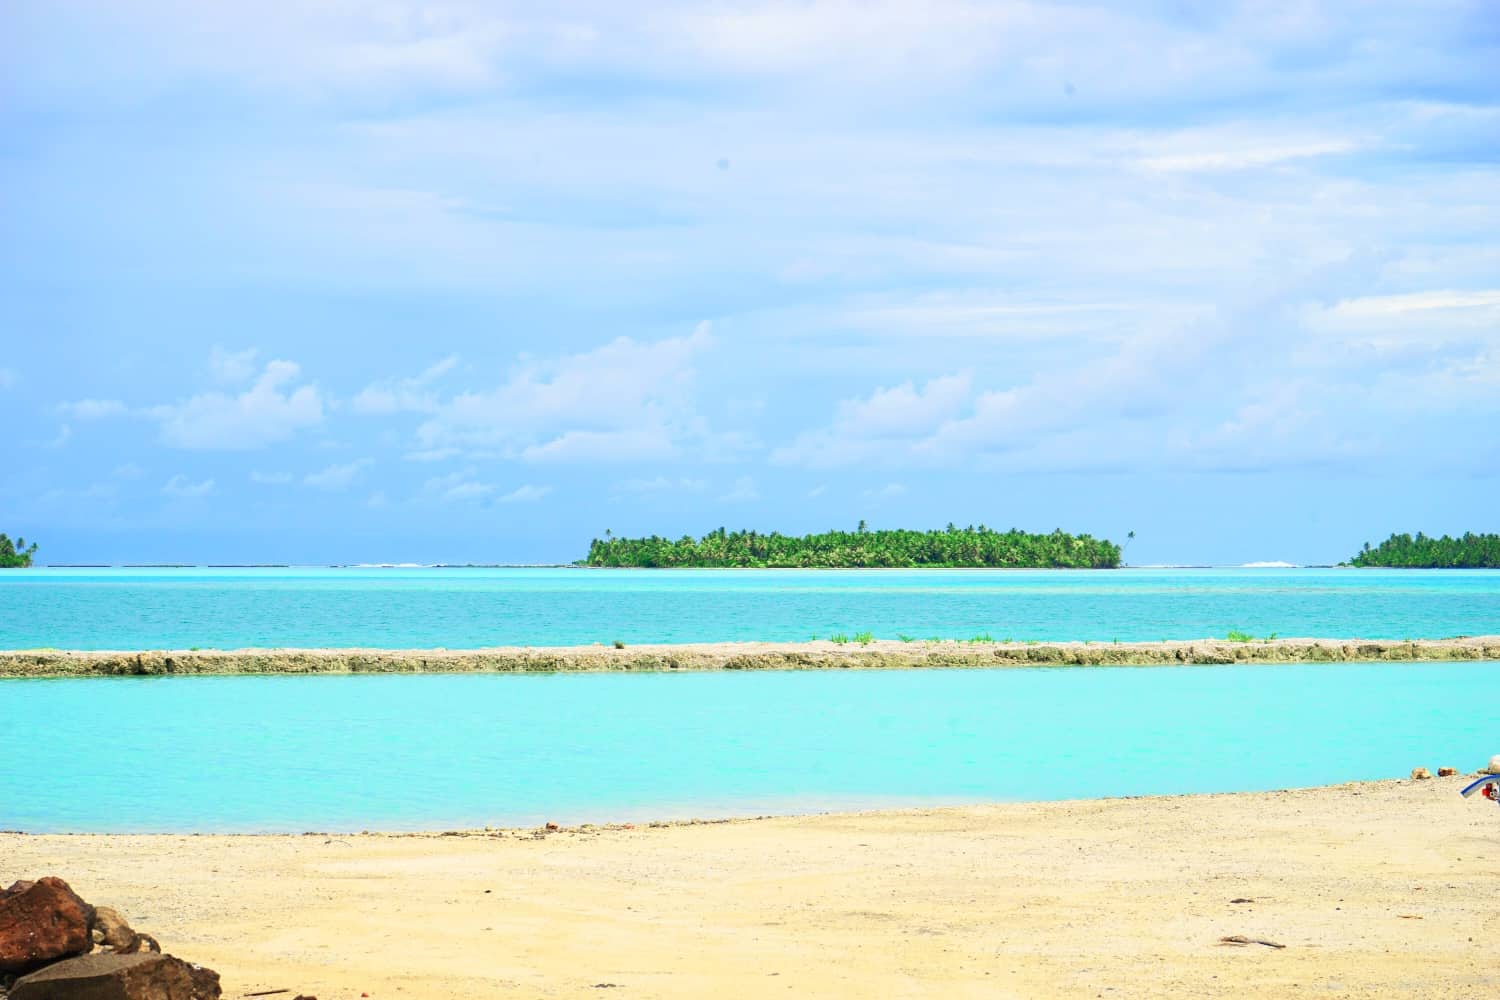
(950, 547)
(15, 554)
(1423, 552)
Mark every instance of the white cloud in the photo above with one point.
(468, 491)
(129, 470)
(456, 487)
(8, 378)
(889, 417)
(273, 409)
(94, 409)
(376, 499)
(625, 445)
(270, 478)
(1383, 306)
(1244, 158)
(408, 395)
(232, 367)
(524, 494)
(886, 491)
(337, 477)
(433, 454)
(661, 484)
(624, 401)
(743, 491)
(182, 487)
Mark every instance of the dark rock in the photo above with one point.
(111, 929)
(111, 977)
(206, 983)
(140, 943)
(1447, 772)
(42, 921)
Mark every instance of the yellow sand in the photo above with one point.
(1377, 890)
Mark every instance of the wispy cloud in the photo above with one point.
(743, 491)
(232, 367)
(94, 409)
(526, 493)
(661, 484)
(182, 487)
(407, 395)
(338, 476)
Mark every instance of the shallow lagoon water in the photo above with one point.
(469, 608)
(296, 753)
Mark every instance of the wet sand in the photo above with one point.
(1376, 890)
(823, 655)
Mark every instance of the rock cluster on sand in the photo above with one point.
(47, 932)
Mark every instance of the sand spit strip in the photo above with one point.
(1382, 889)
(825, 655)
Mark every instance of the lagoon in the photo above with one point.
(297, 753)
(131, 609)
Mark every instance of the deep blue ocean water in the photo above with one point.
(297, 753)
(467, 608)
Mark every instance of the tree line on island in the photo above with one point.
(862, 548)
(1469, 551)
(15, 554)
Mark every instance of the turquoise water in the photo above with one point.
(442, 751)
(464, 608)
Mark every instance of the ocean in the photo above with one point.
(442, 751)
(470, 608)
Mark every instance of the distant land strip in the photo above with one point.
(879, 654)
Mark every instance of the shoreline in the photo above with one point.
(853, 814)
(816, 655)
(1374, 889)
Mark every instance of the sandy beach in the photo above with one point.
(819, 655)
(1376, 890)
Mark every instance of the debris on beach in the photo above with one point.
(1447, 772)
(1420, 774)
(1239, 940)
(47, 935)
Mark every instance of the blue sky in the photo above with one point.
(319, 282)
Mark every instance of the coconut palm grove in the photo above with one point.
(949, 547)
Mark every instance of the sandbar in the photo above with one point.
(819, 655)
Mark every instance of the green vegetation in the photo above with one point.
(15, 555)
(952, 547)
(1237, 636)
(1469, 552)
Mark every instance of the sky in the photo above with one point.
(321, 282)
